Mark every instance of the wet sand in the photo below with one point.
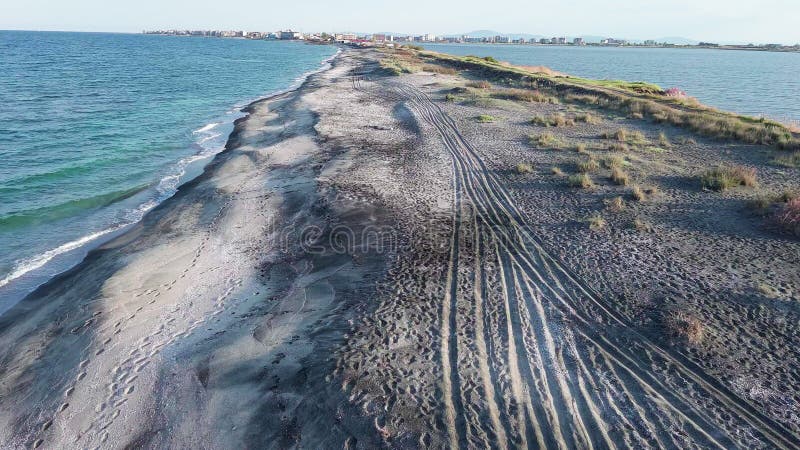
(363, 268)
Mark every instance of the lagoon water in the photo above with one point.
(96, 129)
(748, 82)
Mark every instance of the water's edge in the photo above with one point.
(95, 243)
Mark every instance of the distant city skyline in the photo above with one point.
(768, 21)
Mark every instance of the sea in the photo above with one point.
(754, 83)
(96, 129)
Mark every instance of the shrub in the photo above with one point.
(439, 69)
(449, 98)
(638, 194)
(546, 140)
(480, 84)
(621, 135)
(616, 204)
(580, 148)
(596, 222)
(619, 177)
(722, 178)
(552, 120)
(557, 171)
(613, 161)
(524, 95)
(588, 118)
(663, 140)
(485, 118)
(685, 327)
(523, 168)
(787, 196)
(641, 225)
(618, 147)
(581, 180)
(761, 204)
(788, 217)
(590, 165)
(489, 59)
(791, 160)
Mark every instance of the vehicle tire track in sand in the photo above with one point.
(565, 293)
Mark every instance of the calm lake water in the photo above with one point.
(747, 82)
(96, 129)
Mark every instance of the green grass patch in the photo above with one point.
(723, 178)
(485, 118)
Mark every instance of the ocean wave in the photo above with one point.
(207, 127)
(40, 260)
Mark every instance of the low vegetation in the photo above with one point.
(479, 84)
(588, 166)
(620, 177)
(788, 217)
(641, 225)
(546, 140)
(663, 140)
(614, 161)
(723, 178)
(524, 95)
(685, 327)
(587, 118)
(433, 68)
(616, 204)
(557, 171)
(523, 168)
(638, 193)
(788, 160)
(485, 118)
(553, 120)
(596, 222)
(581, 180)
(636, 99)
(580, 148)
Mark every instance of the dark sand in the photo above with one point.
(364, 268)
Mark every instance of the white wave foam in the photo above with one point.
(208, 127)
(40, 260)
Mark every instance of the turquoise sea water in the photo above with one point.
(747, 82)
(96, 129)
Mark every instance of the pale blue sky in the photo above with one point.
(712, 20)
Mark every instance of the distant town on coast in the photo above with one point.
(476, 38)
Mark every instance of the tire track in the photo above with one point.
(532, 266)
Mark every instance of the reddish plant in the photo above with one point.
(789, 217)
(675, 92)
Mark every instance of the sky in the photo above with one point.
(735, 21)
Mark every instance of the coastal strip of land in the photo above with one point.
(418, 250)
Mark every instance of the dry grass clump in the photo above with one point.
(587, 118)
(548, 140)
(723, 178)
(523, 168)
(596, 222)
(638, 193)
(663, 140)
(620, 135)
(612, 161)
(439, 69)
(394, 65)
(582, 180)
(788, 217)
(686, 327)
(580, 148)
(524, 95)
(557, 171)
(616, 204)
(588, 166)
(790, 160)
(553, 120)
(761, 204)
(640, 225)
(479, 84)
(485, 118)
(618, 147)
(620, 177)
(683, 140)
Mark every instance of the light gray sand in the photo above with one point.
(488, 316)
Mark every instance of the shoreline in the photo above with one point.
(400, 258)
(187, 165)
